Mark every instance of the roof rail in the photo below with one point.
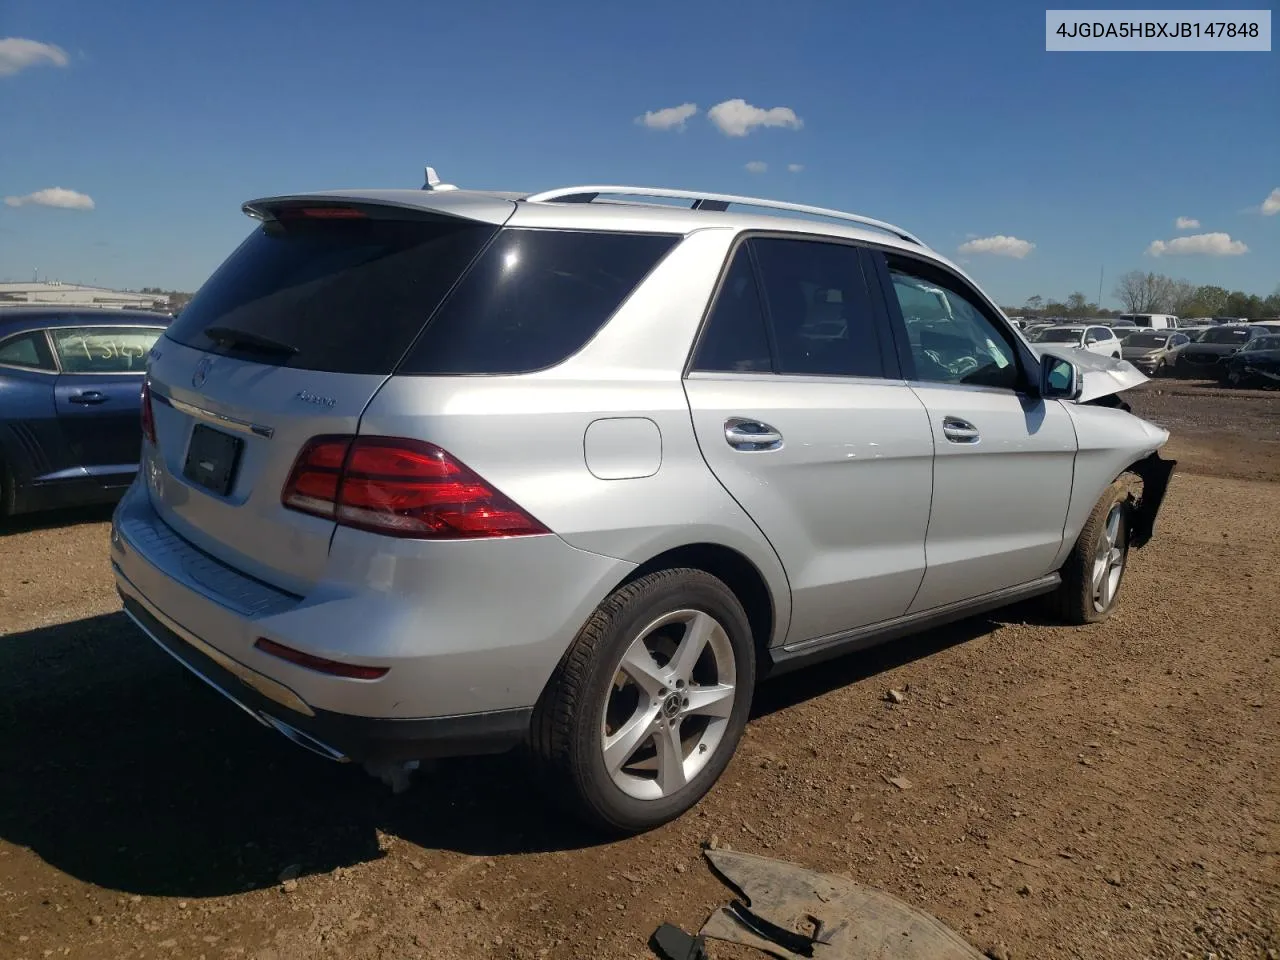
(714, 201)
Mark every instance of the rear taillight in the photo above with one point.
(148, 415)
(399, 487)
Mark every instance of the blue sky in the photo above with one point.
(950, 119)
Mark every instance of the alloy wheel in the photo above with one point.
(1109, 559)
(669, 704)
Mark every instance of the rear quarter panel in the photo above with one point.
(527, 434)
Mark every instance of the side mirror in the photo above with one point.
(1091, 340)
(1059, 379)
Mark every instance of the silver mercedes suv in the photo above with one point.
(437, 472)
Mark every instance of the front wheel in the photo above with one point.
(645, 710)
(1092, 574)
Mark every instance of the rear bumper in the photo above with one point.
(337, 736)
(468, 632)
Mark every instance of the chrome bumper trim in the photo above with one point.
(269, 688)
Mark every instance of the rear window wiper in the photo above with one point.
(244, 340)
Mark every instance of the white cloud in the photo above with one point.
(1186, 223)
(737, 118)
(1271, 205)
(1200, 244)
(18, 54)
(53, 197)
(757, 166)
(998, 246)
(794, 167)
(668, 118)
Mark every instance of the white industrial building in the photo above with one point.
(56, 293)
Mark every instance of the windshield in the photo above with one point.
(1224, 335)
(1265, 343)
(1150, 340)
(1056, 335)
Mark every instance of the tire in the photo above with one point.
(1079, 600)
(1161, 370)
(595, 700)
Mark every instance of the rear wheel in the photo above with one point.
(1093, 572)
(646, 708)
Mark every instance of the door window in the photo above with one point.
(952, 339)
(104, 349)
(734, 340)
(818, 308)
(27, 350)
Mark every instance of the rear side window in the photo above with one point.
(341, 295)
(818, 307)
(735, 340)
(534, 299)
(29, 350)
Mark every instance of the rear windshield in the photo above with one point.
(352, 296)
(1051, 335)
(347, 296)
(1224, 335)
(1146, 340)
(534, 299)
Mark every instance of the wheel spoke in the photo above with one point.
(639, 665)
(696, 634)
(710, 701)
(671, 775)
(619, 747)
(1113, 527)
(1100, 567)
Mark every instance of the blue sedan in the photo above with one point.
(70, 392)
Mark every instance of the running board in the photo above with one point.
(793, 656)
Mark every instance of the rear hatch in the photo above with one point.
(289, 340)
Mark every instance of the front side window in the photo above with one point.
(27, 350)
(952, 338)
(104, 349)
(818, 308)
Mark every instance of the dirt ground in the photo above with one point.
(1110, 791)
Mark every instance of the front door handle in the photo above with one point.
(88, 397)
(751, 435)
(959, 431)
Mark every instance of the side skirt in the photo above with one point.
(793, 656)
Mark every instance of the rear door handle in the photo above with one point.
(88, 397)
(959, 431)
(751, 435)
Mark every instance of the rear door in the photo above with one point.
(289, 340)
(1004, 457)
(97, 395)
(799, 412)
(32, 444)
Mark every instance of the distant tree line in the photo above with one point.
(1155, 293)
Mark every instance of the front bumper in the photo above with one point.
(469, 632)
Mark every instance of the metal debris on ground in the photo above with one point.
(791, 913)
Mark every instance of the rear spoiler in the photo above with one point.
(389, 204)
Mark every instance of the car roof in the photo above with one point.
(19, 317)
(525, 209)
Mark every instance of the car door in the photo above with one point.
(32, 445)
(1004, 457)
(800, 412)
(98, 395)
